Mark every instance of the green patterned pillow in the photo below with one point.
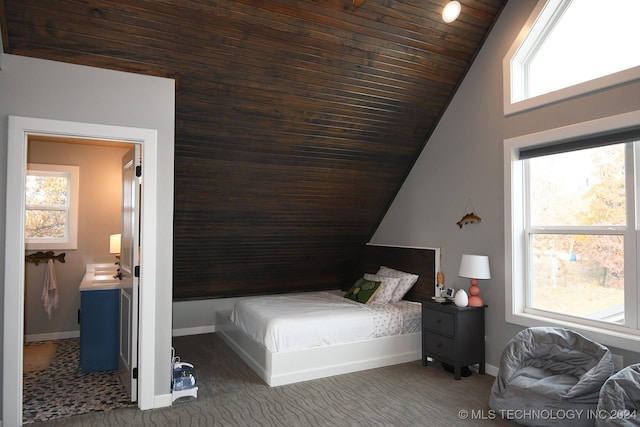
(363, 290)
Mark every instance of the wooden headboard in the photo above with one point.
(420, 261)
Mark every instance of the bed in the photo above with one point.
(294, 356)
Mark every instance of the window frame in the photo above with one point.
(516, 311)
(546, 11)
(626, 231)
(70, 240)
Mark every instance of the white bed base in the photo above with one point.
(302, 365)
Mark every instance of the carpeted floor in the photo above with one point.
(62, 390)
(230, 394)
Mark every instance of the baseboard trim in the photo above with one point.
(162, 401)
(196, 330)
(491, 370)
(52, 336)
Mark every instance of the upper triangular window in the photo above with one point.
(571, 48)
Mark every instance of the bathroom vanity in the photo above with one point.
(99, 318)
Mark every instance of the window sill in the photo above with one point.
(617, 339)
(570, 92)
(50, 246)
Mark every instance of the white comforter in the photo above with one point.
(298, 321)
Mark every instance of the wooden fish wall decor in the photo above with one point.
(39, 257)
(470, 218)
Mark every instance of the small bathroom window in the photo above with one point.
(51, 210)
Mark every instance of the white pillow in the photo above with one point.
(407, 280)
(387, 287)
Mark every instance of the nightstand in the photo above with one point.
(453, 335)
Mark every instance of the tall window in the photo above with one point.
(51, 197)
(572, 47)
(576, 228)
(573, 228)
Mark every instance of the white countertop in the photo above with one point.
(101, 277)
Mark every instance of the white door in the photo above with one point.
(129, 256)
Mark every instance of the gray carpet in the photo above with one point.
(230, 394)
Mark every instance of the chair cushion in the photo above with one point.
(543, 382)
(550, 369)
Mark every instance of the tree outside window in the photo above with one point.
(51, 207)
(577, 229)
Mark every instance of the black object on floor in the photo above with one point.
(464, 371)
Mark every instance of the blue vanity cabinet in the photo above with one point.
(99, 329)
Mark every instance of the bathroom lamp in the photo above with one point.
(114, 244)
(114, 248)
(474, 267)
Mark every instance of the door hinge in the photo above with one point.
(139, 170)
(134, 373)
(136, 271)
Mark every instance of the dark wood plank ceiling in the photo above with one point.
(296, 121)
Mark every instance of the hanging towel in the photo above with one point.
(50, 289)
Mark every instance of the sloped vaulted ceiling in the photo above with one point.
(296, 120)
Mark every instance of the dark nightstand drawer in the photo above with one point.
(439, 345)
(453, 335)
(438, 322)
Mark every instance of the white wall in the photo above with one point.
(51, 90)
(463, 160)
(199, 317)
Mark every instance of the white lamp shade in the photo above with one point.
(114, 244)
(474, 267)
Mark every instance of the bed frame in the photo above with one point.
(301, 365)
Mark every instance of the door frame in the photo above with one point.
(13, 325)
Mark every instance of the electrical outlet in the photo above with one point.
(618, 361)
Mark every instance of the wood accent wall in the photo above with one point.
(297, 120)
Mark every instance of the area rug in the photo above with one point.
(38, 356)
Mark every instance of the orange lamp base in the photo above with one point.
(474, 294)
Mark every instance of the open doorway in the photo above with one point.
(55, 339)
(20, 128)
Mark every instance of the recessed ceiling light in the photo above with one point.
(451, 11)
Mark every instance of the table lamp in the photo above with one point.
(114, 248)
(474, 267)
